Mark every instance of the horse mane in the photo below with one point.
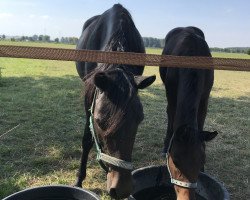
(123, 38)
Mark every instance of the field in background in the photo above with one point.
(44, 99)
(37, 44)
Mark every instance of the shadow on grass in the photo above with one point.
(49, 112)
(228, 154)
(51, 117)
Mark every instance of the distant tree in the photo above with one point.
(31, 39)
(162, 43)
(40, 37)
(73, 40)
(46, 38)
(248, 51)
(65, 40)
(145, 41)
(62, 40)
(157, 43)
(217, 49)
(153, 42)
(13, 39)
(35, 37)
(57, 40)
(22, 38)
(238, 50)
(150, 42)
(3, 37)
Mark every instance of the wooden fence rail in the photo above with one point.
(124, 58)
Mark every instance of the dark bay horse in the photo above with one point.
(187, 92)
(112, 105)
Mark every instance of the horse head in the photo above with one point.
(117, 112)
(185, 159)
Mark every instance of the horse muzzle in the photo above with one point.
(119, 184)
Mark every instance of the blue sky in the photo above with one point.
(226, 23)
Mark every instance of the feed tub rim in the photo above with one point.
(56, 186)
(136, 173)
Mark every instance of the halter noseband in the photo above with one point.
(175, 181)
(100, 155)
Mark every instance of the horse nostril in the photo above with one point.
(112, 193)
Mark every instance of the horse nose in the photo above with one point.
(115, 194)
(112, 193)
(119, 184)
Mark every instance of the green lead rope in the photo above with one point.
(102, 156)
(91, 126)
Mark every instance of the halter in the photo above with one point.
(100, 155)
(175, 181)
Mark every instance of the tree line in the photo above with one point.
(149, 42)
(159, 43)
(153, 42)
(232, 50)
(41, 38)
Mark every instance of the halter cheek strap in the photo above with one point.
(175, 181)
(180, 183)
(100, 155)
(115, 161)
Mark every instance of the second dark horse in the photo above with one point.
(113, 90)
(187, 92)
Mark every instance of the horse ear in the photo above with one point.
(207, 136)
(102, 80)
(144, 81)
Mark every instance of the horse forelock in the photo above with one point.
(118, 102)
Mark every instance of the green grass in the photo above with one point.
(37, 44)
(231, 55)
(45, 99)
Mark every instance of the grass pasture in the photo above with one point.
(43, 99)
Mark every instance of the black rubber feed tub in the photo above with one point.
(53, 192)
(153, 183)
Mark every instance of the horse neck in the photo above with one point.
(188, 99)
(186, 114)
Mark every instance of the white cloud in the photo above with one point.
(6, 15)
(32, 16)
(45, 17)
